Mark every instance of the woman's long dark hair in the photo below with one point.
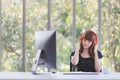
(91, 36)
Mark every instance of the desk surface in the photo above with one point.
(57, 76)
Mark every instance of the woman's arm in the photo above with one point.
(75, 57)
(97, 61)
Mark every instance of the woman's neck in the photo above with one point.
(85, 53)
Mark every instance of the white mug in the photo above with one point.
(106, 70)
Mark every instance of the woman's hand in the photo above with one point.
(78, 46)
(95, 48)
(75, 57)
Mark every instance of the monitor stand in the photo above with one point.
(35, 63)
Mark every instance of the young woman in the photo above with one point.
(86, 56)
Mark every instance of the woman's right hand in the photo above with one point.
(75, 58)
(79, 42)
(78, 47)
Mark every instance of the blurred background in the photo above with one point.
(19, 19)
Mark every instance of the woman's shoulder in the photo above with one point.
(99, 54)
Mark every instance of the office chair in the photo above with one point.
(73, 68)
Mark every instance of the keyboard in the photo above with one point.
(80, 73)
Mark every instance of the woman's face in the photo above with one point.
(86, 43)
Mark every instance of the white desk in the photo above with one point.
(57, 76)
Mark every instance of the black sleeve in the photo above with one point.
(72, 54)
(99, 55)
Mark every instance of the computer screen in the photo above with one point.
(45, 45)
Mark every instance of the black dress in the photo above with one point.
(87, 64)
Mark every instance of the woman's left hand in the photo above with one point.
(95, 48)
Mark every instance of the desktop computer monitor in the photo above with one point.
(45, 45)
